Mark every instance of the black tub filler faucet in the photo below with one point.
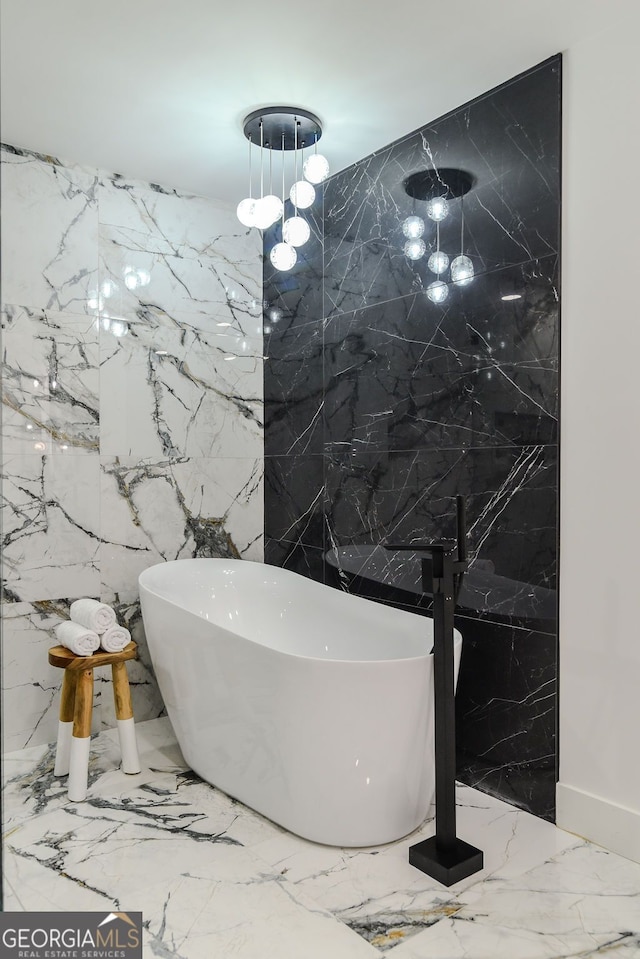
(444, 857)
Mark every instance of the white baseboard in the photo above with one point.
(617, 828)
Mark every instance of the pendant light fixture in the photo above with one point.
(438, 261)
(315, 167)
(283, 255)
(462, 267)
(268, 208)
(413, 228)
(438, 187)
(246, 209)
(288, 129)
(295, 230)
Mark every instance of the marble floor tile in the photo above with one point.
(40, 891)
(583, 902)
(215, 879)
(157, 747)
(10, 901)
(30, 788)
(379, 894)
(202, 893)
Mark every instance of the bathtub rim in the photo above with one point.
(423, 657)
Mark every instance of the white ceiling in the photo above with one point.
(157, 89)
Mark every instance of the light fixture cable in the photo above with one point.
(261, 159)
(283, 186)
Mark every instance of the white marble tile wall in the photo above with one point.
(132, 407)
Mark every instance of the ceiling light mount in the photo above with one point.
(279, 125)
(447, 182)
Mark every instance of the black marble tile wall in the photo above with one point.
(381, 406)
(507, 744)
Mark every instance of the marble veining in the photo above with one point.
(51, 260)
(49, 381)
(381, 406)
(409, 374)
(50, 526)
(510, 147)
(213, 878)
(166, 510)
(132, 407)
(199, 391)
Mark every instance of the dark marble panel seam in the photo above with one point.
(345, 449)
(293, 456)
(337, 313)
(280, 326)
(487, 619)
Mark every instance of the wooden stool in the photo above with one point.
(76, 705)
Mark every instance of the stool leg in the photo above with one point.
(81, 739)
(124, 717)
(65, 725)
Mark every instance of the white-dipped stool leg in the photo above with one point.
(128, 745)
(63, 748)
(78, 768)
(65, 725)
(124, 717)
(81, 739)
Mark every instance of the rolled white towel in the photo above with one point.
(115, 639)
(94, 615)
(77, 638)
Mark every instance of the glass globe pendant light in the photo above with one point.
(438, 261)
(415, 248)
(462, 271)
(283, 256)
(437, 291)
(316, 167)
(267, 212)
(413, 227)
(302, 194)
(246, 209)
(295, 230)
(268, 208)
(438, 209)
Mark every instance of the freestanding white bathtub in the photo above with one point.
(311, 706)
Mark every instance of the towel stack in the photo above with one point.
(92, 625)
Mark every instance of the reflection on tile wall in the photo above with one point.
(381, 406)
(132, 407)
